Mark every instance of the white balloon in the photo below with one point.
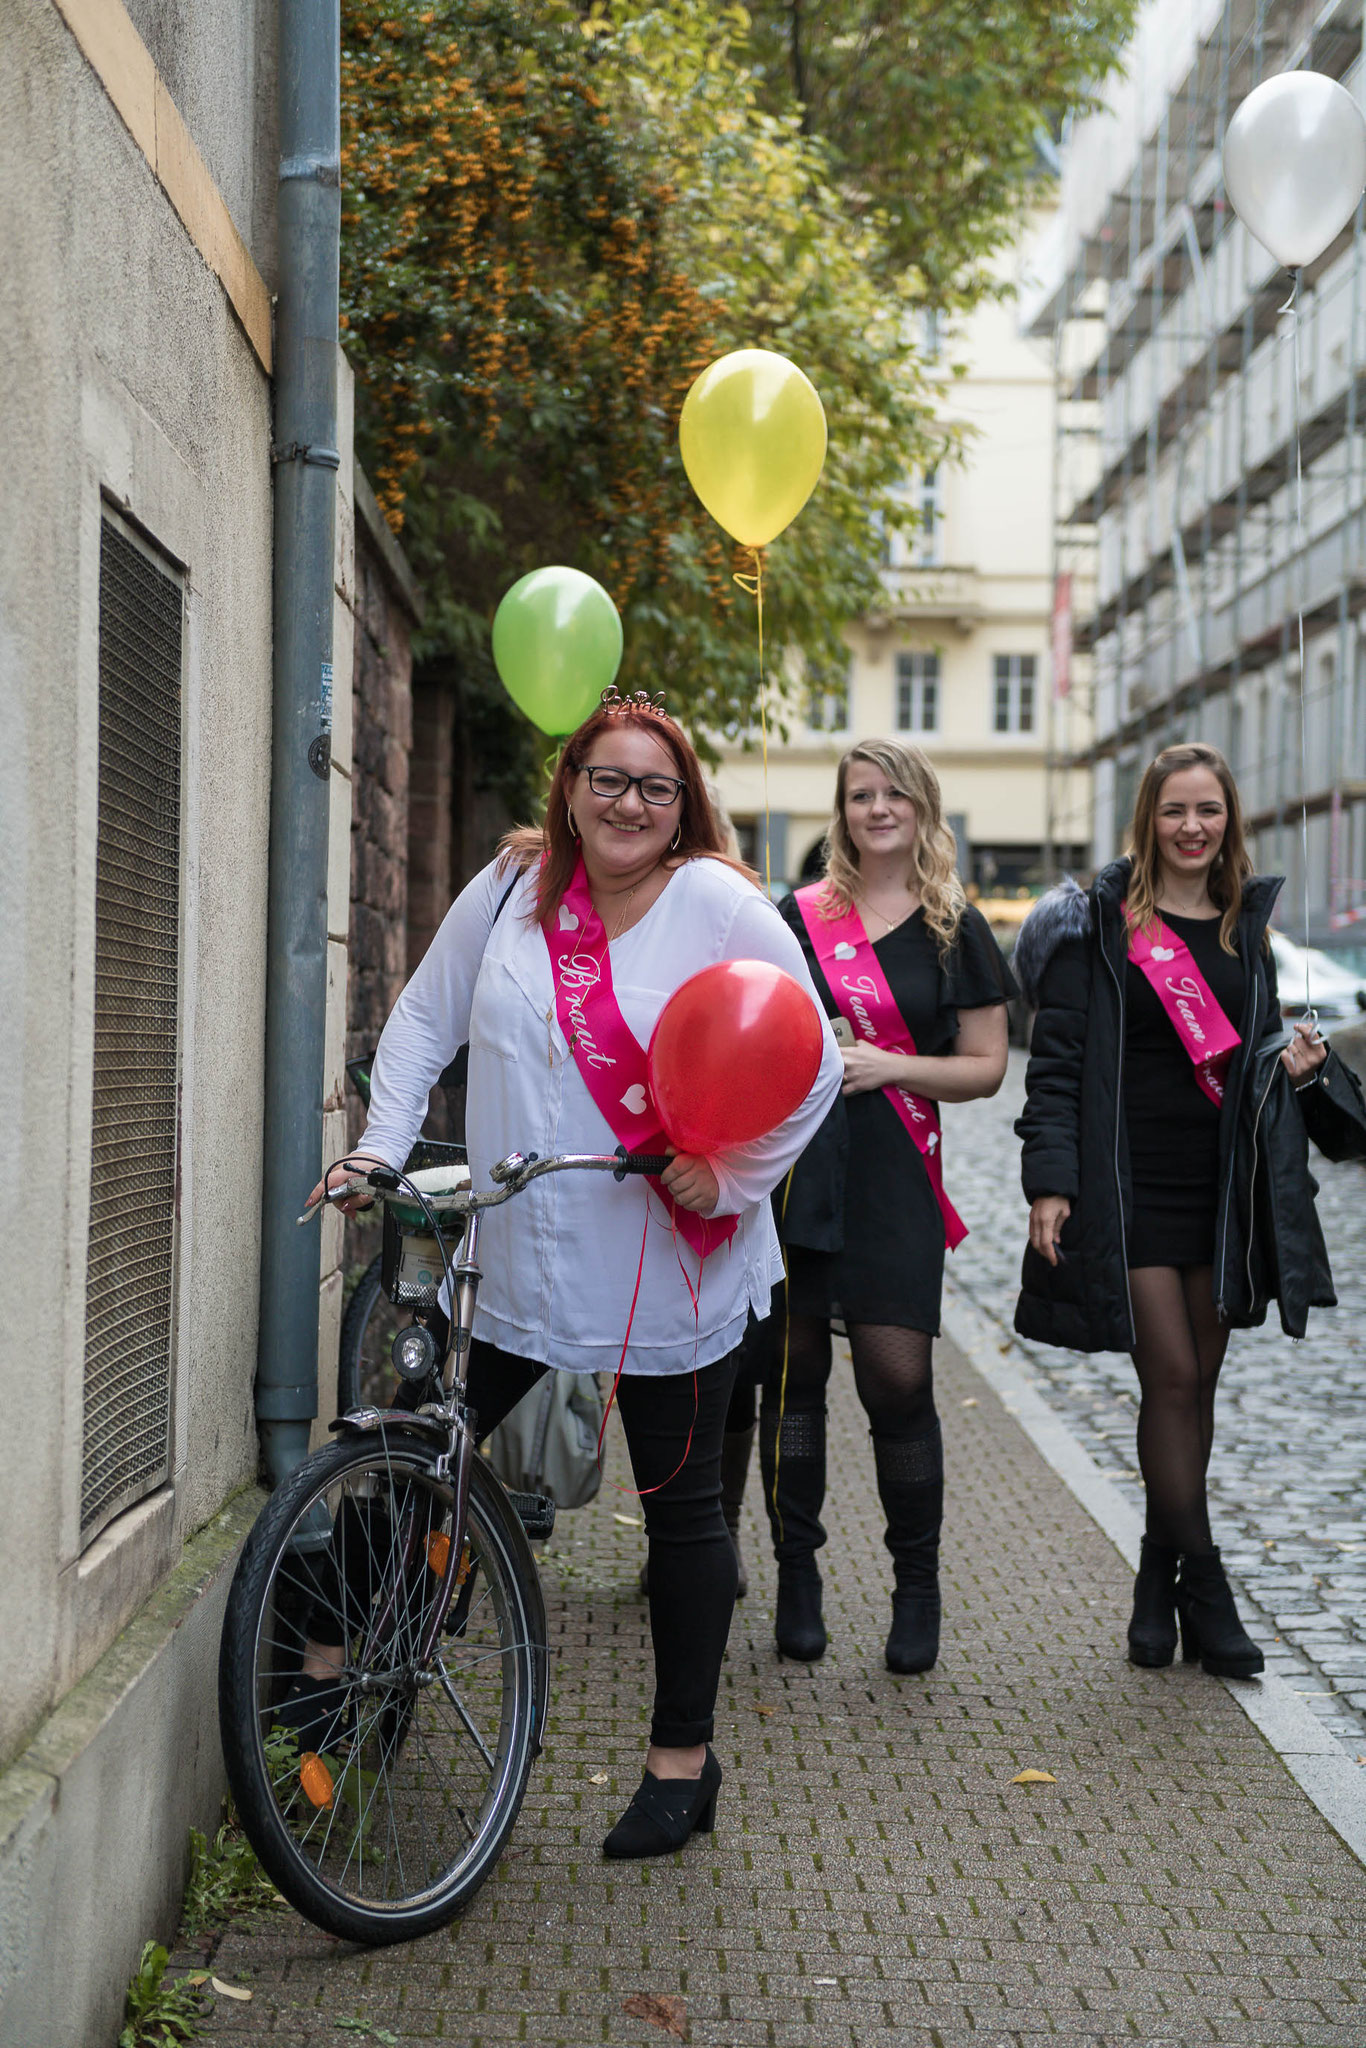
(1295, 163)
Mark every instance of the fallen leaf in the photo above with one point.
(971, 1402)
(601, 1778)
(825, 1980)
(1034, 1778)
(196, 1977)
(1361, 1759)
(765, 1711)
(629, 1521)
(231, 1990)
(669, 2013)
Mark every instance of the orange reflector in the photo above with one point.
(316, 1779)
(439, 1552)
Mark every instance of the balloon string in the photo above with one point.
(755, 586)
(782, 1384)
(1292, 306)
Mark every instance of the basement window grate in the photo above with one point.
(131, 1255)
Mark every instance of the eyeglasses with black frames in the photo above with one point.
(614, 782)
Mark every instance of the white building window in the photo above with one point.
(1013, 699)
(927, 544)
(917, 693)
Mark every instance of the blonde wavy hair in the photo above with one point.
(933, 866)
(1229, 872)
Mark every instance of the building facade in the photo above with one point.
(959, 656)
(1190, 388)
(138, 172)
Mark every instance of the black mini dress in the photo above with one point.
(1171, 1125)
(863, 1232)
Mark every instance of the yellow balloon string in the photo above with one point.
(755, 586)
(782, 1384)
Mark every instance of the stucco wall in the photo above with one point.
(122, 371)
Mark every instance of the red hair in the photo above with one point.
(554, 844)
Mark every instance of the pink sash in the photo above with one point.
(860, 990)
(609, 1057)
(1169, 968)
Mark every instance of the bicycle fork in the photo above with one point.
(454, 1462)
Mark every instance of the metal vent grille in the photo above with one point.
(137, 959)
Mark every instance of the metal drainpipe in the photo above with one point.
(306, 461)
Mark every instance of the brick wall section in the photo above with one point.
(387, 608)
(431, 888)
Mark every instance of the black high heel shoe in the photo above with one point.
(1152, 1625)
(664, 1812)
(1210, 1628)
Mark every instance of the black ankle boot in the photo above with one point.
(797, 1622)
(793, 1463)
(1210, 1628)
(910, 1481)
(1152, 1625)
(664, 1812)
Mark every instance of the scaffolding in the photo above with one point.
(1175, 459)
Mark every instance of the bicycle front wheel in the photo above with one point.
(381, 1822)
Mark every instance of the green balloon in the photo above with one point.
(557, 646)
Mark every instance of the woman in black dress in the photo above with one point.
(1149, 1214)
(861, 1215)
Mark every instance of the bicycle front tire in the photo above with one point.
(381, 1830)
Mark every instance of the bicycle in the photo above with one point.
(374, 1317)
(399, 1545)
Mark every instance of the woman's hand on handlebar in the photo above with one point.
(1046, 1218)
(338, 1176)
(692, 1183)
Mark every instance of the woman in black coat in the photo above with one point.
(1140, 1159)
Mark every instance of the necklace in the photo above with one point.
(891, 924)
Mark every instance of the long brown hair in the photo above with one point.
(934, 870)
(700, 833)
(1233, 864)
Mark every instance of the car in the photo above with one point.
(1338, 994)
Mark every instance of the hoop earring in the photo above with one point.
(677, 839)
(572, 826)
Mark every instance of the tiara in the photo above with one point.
(614, 703)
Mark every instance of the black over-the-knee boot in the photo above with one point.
(792, 1459)
(910, 1480)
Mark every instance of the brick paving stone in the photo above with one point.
(1173, 1887)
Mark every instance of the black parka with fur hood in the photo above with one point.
(1070, 959)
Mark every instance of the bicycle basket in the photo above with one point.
(412, 1270)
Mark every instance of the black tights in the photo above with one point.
(692, 1559)
(1179, 1348)
(893, 1372)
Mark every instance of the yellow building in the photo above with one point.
(959, 657)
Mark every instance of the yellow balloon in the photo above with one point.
(752, 437)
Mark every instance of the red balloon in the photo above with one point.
(735, 1050)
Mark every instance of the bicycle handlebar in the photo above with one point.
(512, 1174)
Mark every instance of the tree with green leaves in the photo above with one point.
(555, 215)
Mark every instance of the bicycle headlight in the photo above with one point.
(413, 1352)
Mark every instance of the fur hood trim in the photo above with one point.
(1063, 913)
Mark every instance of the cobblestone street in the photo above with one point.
(877, 1873)
(1288, 1480)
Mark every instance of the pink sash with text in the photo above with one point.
(1168, 966)
(607, 1053)
(861, 994)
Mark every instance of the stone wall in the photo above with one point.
(386, 609)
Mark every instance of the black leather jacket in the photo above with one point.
(1070, 957)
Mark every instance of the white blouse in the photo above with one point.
(560, 1260)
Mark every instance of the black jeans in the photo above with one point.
(692, 1559)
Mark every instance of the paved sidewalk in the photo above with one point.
(875, 1875)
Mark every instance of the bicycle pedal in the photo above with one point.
(535, 1512)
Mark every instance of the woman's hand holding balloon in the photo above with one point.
(692, 1183)
(1305, 1052)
